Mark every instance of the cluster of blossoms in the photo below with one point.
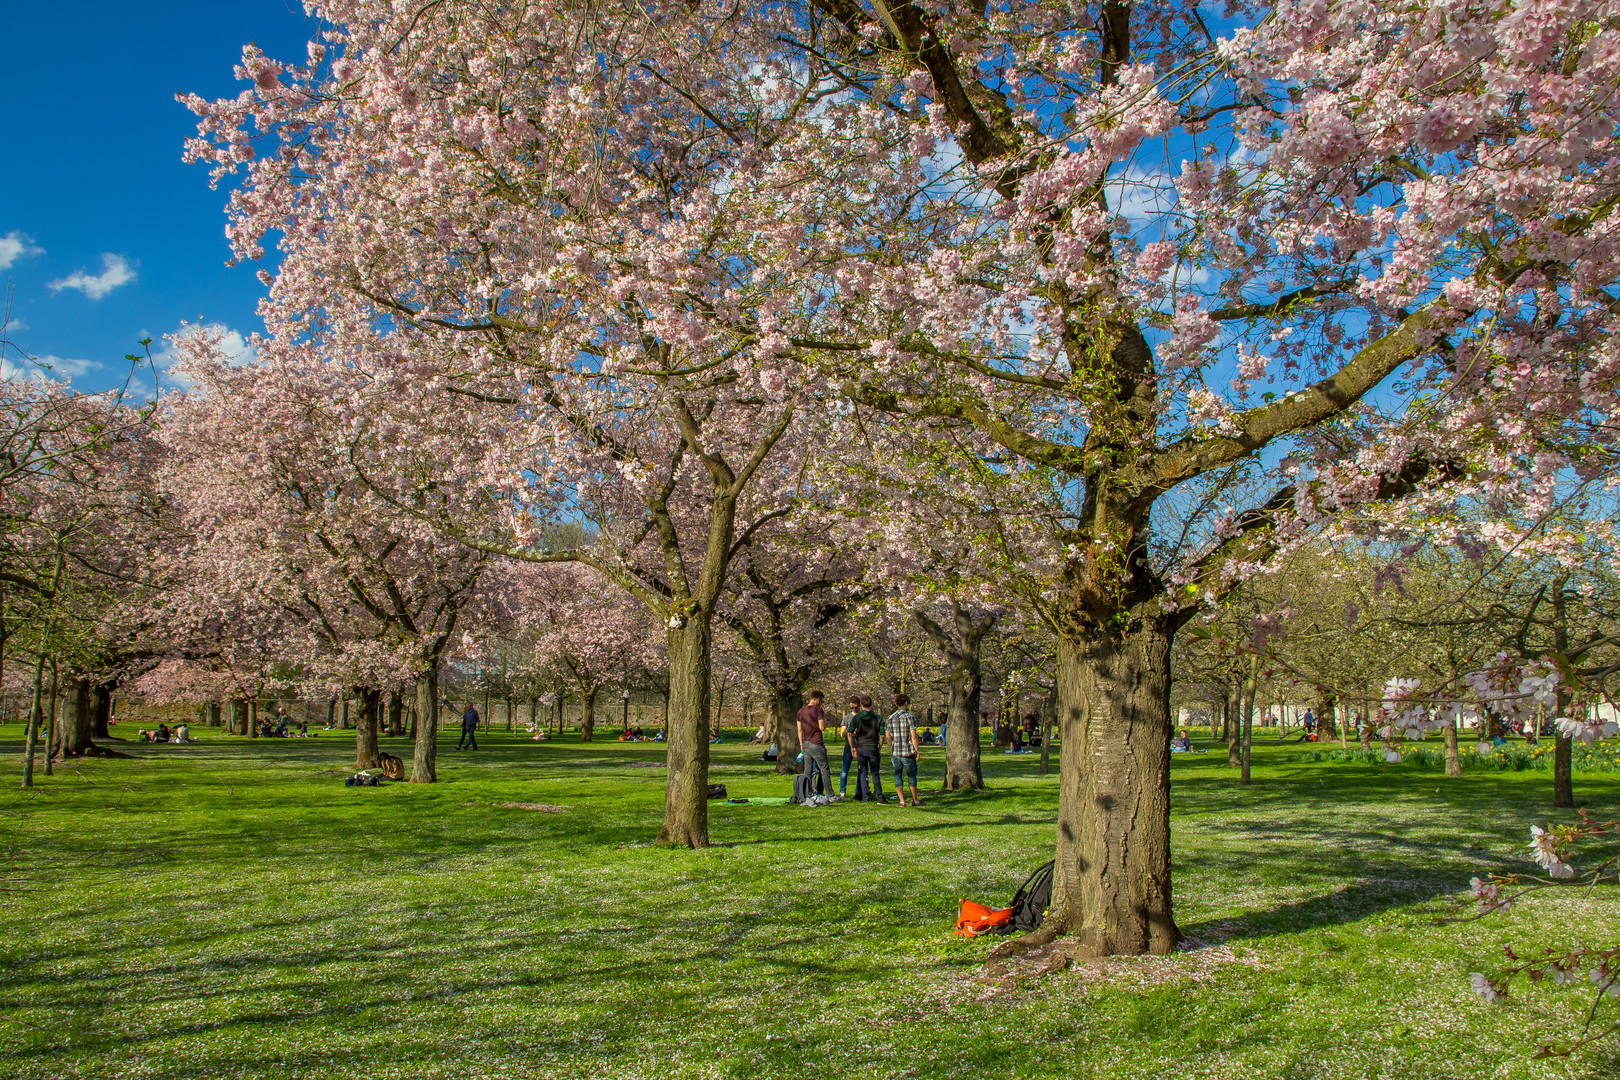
(1552, 850)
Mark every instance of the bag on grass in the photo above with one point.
(1030, 902)
(974, 919)
(717, 791)
(801, 788)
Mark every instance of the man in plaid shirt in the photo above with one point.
(902, 739)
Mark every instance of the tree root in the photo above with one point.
(93, 750)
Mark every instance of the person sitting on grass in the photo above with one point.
(182, 734)
(901, 735)
(163, 733)
(1181, 744)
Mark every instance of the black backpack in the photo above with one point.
(717, 791)
(1030, 902)
(801, 788)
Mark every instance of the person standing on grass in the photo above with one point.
(812, 722)
(868, 729)
(849, 746)
(469, 729)
(902, 736)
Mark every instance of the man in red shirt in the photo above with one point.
(811, 724)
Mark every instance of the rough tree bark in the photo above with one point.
(425, 753)
(1111, 884)
(686, 778)
(73, 730)
(959, 643)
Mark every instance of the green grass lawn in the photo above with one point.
(230, 909)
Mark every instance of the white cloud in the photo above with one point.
(204, 339)
(40, 368)
(66, 367)
(115, 271)
(13, 246)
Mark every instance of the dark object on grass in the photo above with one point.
(802, 789)
(717, 791)
(361, 779)
(1030, 902)
(392, 767)
(736, 800)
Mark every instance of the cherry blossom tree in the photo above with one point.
(509, 212)
(301, 562)
(1419, 201)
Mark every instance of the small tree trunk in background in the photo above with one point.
(587, 715)
(1563, 765)
(1048, 709)
(34, 720)
(785, 706)
(365, 729)
(1234, 725)
(343, 715)
(1250, 692)
(1453, 759)
(396, 713)
(1344, 729)
(214, 719)
(1563, 772)
(958, 641)
(253, 718)
(425, 752)
(50, 722)
(509, 712)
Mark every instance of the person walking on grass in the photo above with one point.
(469, 729)
(901, 734)
(812, 722)
(868, 729)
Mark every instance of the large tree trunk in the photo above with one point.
(73, 731)
(365, 729)
(785, 705)
(1111, 887)
(239, 717)
(686, 781)
(587, 715)
(424, 760)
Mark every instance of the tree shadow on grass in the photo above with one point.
(1349, 904)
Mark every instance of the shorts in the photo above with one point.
(905, 768)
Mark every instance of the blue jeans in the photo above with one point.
(905, 768)
(843, 774)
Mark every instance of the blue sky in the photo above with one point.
(95, 199)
